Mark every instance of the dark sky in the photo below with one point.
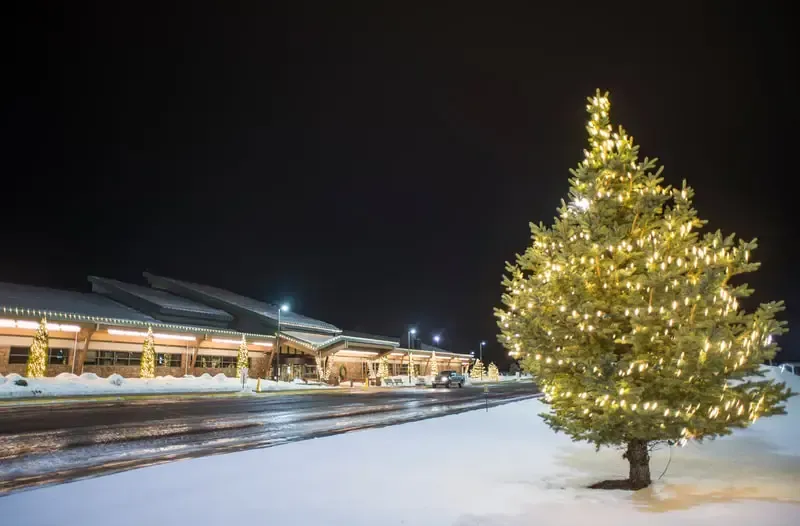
(376, 166)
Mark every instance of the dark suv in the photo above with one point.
(448, 379)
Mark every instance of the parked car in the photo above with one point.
(448, 379)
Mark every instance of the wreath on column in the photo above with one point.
(342, 372)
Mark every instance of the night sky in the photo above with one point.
(374, 166)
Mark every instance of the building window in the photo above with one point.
(168, 360)
(58, 356)
(216, 362)
(112, 358)
(54, 356)
(18, 355)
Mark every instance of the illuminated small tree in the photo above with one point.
(628, 319)
(242, 360)
(147, 367)
(477, 370)
(412, 366)
(494, 373)
(434, 365)
(36, 366)
(383, 367)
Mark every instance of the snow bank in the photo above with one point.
(531, 476)
(91, 384)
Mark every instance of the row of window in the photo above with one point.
(129, 358)
(216, 362)
(54, 356)
(19, 355)
(289, 350)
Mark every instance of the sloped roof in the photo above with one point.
(320, 341)
(162, 301)
(19, 299)
(221, 296)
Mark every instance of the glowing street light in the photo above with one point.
(436, 339)
(483, 344)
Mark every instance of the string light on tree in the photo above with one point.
(36, 366)
(477, 370)
(633, 326)
(242, 360)
(383, 367)
(493, 372)
(147, 367)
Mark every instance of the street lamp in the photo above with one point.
(436, 339)
(411, 332)
(483, 344)
(282, 308)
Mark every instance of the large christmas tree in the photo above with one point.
(147, 366)
(629, 320)
(241, 357)
(36, 366)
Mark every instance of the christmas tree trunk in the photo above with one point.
(639, 461)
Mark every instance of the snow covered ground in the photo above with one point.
(67, 384)
(502, 467)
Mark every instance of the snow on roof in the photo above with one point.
(161, 299)
(260, 308)
(24, 299)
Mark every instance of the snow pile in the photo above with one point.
(91, 384)
(533, 476)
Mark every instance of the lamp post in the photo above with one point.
(483, 344)
(411, 332)
(283, 307)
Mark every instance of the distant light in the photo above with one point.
(237, 342)
(413, 331)
(284, 307)
(472, 353)
(483, 343)
(33, 325)
(157, 336)
(436, 338)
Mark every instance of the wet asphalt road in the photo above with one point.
(47, 444)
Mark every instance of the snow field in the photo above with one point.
(504, 467)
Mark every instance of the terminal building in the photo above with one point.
(197, 329)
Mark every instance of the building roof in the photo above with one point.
(26, 300)
(79, 307)
(226, 299)
(320, 341)
(158, 301)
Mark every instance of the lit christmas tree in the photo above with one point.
(147, 369)
(383, 367)
(241, 357)
(494, 372)
(434, 365)
(629, 320)
(477, 370)
(36, 366)
(412, 366)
